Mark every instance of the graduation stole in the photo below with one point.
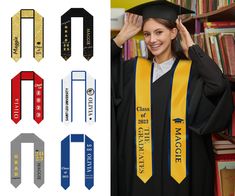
(67, 96)
(38, 159)
(178, 125)
(37, 95)
(87, 32)
(38, 41)
(65, 160)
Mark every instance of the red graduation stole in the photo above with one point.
(37, 95)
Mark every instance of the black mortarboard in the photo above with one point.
(159, 9)
(178, 120)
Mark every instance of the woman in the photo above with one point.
(165, 111)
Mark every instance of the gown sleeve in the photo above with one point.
(120, 73)
(116, 73)
(115, 93)
(211, 104)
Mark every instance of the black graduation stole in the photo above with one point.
(178, 117)
(87, 32)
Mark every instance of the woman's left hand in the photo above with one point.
(186, 39)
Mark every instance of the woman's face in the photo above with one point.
(158, 37)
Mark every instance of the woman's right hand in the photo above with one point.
(132, 26)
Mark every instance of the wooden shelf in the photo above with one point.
(222, 14)
(217, 15)
(230, 138)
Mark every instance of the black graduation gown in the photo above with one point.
(210, 108)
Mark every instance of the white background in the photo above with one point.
(52, 69)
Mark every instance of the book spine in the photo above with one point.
(222, 52)
(229, 47)
(143, 49)
(213, 50)
(219, 24)
(218, 53)
(208, 47)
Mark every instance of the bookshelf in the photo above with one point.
(217, 15)
(224, 156)
(195, 26)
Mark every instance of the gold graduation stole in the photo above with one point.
(38, 42)
(178, 123)
(143, 119)
(178, 129)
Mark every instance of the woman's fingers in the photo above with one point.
(126, 16)
(133, 19)
(140, 21)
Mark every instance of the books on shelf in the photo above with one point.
(222, 145)
(220, 44)
(217, 41)
(218, 140)
(200, 40)
(205, 6)
(225, 151)
(134, 47)
(229, 50)
(225, 174)
(219, 24)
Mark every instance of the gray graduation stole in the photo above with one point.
(87, 32)
(38, 159)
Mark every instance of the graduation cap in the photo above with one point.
(178, 120)
(159, 9)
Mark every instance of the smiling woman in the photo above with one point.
(159, 32)
(158, 36)
(164, 109)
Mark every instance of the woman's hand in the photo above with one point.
(186, 39)
(132, 26)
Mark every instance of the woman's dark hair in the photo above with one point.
(175, 46)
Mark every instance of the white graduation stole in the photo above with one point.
(67, 96)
